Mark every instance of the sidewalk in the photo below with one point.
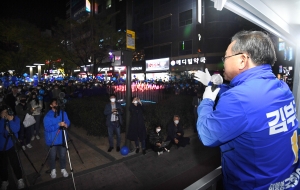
(103, 170)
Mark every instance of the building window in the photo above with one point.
(185, 18)
(165, 24)
(185, 47)
(108, 4)
(165, 51)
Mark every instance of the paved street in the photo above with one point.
(103, 170)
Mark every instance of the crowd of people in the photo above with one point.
(137, 130)
(252, 119)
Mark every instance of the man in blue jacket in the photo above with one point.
(254, 122)
(53, 123)
(9, 125)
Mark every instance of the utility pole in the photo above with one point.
(129, 10)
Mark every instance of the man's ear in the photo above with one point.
(243, 62)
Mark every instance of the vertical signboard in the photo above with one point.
(130, 39)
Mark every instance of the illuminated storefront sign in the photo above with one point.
(137, 68)
(157, 64)
(189, 61)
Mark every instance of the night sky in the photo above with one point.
(42, 13)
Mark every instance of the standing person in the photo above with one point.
(113, 112)
(70, 89)
(196, 102)
(176, 134)
(55, 91)
(25, 132)
(7, 150)
(254, 122)
(37, 106)
(54, 121)
(137, 129)
(156, 139)
(11, 98)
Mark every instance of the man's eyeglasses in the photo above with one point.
(224, 58)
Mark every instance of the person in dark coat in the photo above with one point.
(137, 130)
(113, 112)
(11, 98)
(156, 139)
(176, 133)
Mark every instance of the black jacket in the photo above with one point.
(137, 127)
(155, 137)
(173, 130)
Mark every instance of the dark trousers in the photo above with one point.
(114, 126)
(182, 142)
(25, 134)
(12, 156)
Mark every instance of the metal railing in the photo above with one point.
(208, 181)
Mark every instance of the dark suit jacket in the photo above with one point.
(108, 113)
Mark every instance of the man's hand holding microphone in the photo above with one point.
(205, 78)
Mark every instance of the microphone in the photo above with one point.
(216, 80)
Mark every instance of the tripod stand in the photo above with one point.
(15, 141)
(64, 143)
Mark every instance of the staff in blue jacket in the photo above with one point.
(53, 123)
(254, 122)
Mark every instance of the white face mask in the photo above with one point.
(176, 121)
(157, 130)
(112, 99)
(19, 90)
(135, 102)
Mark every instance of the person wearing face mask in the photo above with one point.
(25, 133)
(156, 139)
(113, 112)
(176, 134)
(137, 129)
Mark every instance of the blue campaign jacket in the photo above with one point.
(51, 125)
(255, 125)
(14, 126)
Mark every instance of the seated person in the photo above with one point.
(156, 140)
(176, 134)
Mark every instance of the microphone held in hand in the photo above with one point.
(216, 80)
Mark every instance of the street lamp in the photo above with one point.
(30, 70)
(39, 69)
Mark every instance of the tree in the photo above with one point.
(21, 45)
(91, 39)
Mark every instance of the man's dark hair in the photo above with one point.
(53, 100)
(112, 95)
